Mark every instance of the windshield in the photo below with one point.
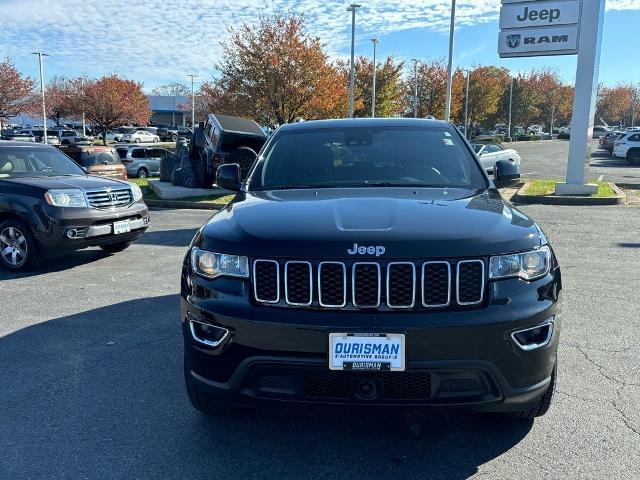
(35, 162)
(477, 147)
(432, 156)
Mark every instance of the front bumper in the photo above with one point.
(453, 358)
(92, 227)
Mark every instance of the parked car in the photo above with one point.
(151, 130)
(142, 162)
(70, 137)
(111, 136)
(185, 132)
(50, 206)
(491, 153)
(19, 137)
(600, 130)
(535, 130)
(564, 130)
(225, 139)
(627, 146)
(607, 140)
(139, 136)
(371, 262)
(52, 139)
(97, 160)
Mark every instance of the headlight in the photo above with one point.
(526, 265)
(137, 193)
(66, 198)
(212, 265)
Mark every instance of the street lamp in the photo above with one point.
(447, 106)
(510, 105)
(352, 8)
(466, 105)
(415, 87)
(375, 41)
(193, 103)
(44, 110)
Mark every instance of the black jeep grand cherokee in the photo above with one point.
(50, 206)
(371, 262)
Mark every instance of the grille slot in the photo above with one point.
(365, 285)
(332, 284)
(436, 284)
(266, 281)
(470, 282)
(401, 284)
(298, 283)
(109, 198)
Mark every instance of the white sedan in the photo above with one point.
(140, 136)
(490, 153)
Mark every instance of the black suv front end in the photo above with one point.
(375, 296)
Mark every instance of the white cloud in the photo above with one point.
(160, 40)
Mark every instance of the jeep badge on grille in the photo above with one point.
(376, 250)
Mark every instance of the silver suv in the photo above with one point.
(142, 162)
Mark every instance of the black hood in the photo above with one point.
(87, 182)
(408, 223)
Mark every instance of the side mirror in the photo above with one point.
(506, 174)
(228, 177)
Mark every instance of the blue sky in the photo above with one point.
(158, 41)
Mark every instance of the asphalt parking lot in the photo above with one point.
(548, 159)
(91, 376)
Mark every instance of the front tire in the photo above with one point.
(137, 140)
(115, 247)
(18, 246)
(142, 173)
(543, 404)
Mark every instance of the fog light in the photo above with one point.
(535, 337)
(72, 233)
(205, 333)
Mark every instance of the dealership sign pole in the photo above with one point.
(563, 27)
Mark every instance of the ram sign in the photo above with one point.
(530, 28)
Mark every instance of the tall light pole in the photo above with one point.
(375, 41)
(193, 103)
(44, 110)
(447, 106)
(415, 87)
(466, 105)
(510, 106)
(352, 8)
(83, 118)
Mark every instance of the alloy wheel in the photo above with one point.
(13, 246)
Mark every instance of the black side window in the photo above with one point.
(137, 153)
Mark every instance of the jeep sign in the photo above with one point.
(529, 28)
(539, 14)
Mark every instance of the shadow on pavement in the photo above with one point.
(58, 264)
(170, 238)
(100, 394)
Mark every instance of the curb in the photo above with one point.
(181, 204)
(573, 200)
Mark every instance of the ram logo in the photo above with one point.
(376, 250)
(513, 41)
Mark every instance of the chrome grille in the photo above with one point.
(429, 285)
(109, 198)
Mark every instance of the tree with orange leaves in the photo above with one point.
(15, 91)
(111, 101)
(275, 72)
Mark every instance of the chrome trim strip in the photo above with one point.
(534, 346)
(208, 343)
(286, 286)
(436, 305)
(353, 284)
(255, 283)
(413, 294)
(458, 282)
(344, 287)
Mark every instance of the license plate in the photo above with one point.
(121, 227)
(367, 351)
